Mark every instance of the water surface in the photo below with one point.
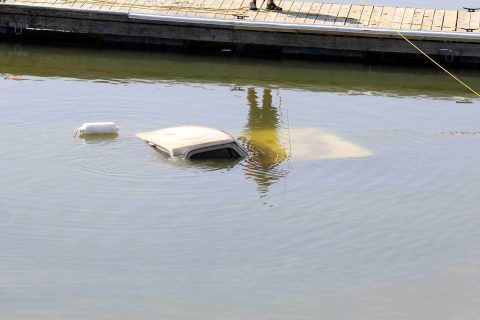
(110, 229)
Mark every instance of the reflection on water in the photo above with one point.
(99, 138)
(144, 67)
(271, 144)
(262, 139)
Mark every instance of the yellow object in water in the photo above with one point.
(319, 144)
(278, 145)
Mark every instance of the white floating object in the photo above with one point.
(194, 142)
(97, 128)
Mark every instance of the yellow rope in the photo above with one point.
(438, 65)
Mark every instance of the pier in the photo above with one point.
(302, 28)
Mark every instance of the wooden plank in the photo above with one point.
(375, 17)
(196, 12)
(40, 3)
(332, 14)
(365, 17)
(428, 16)
(124, 5)
(223, 9)
(293, 12)
(261, 13)
(176, 8)
(450, 20)
(202, 11)
(46, 3)
(354, 15)
(96, 6)
(105, 6)
(72, 4)
(398, 18)
(80, 4)
(296, 11)
(272, 15)
(438, 20)
(463, 20)
(343, 14)
(218, 8)
(51, 3)
(386, 20)
(417, 19)
(119, 6)
(212, 8)
(237, 7)
(155, 8)
(148, 6)
(57, 2)
(115, 6)
(303, 12)
(313, 13)
(132, 5)
(407, 19)
(256, 13)
(323, 13)
(159, 6)
(139, 6)
(135, 6)
(195, 6)
(282, 15)
(475, 21)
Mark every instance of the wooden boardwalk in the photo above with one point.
(301, 24)
(295, 12)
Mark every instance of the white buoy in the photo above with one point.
(96, 128)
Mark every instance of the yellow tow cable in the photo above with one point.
(438, 65)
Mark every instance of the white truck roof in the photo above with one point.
(178, 141)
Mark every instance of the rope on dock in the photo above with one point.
(439, 65)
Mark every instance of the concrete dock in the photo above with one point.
(304, 28)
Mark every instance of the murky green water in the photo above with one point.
(358, 201)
